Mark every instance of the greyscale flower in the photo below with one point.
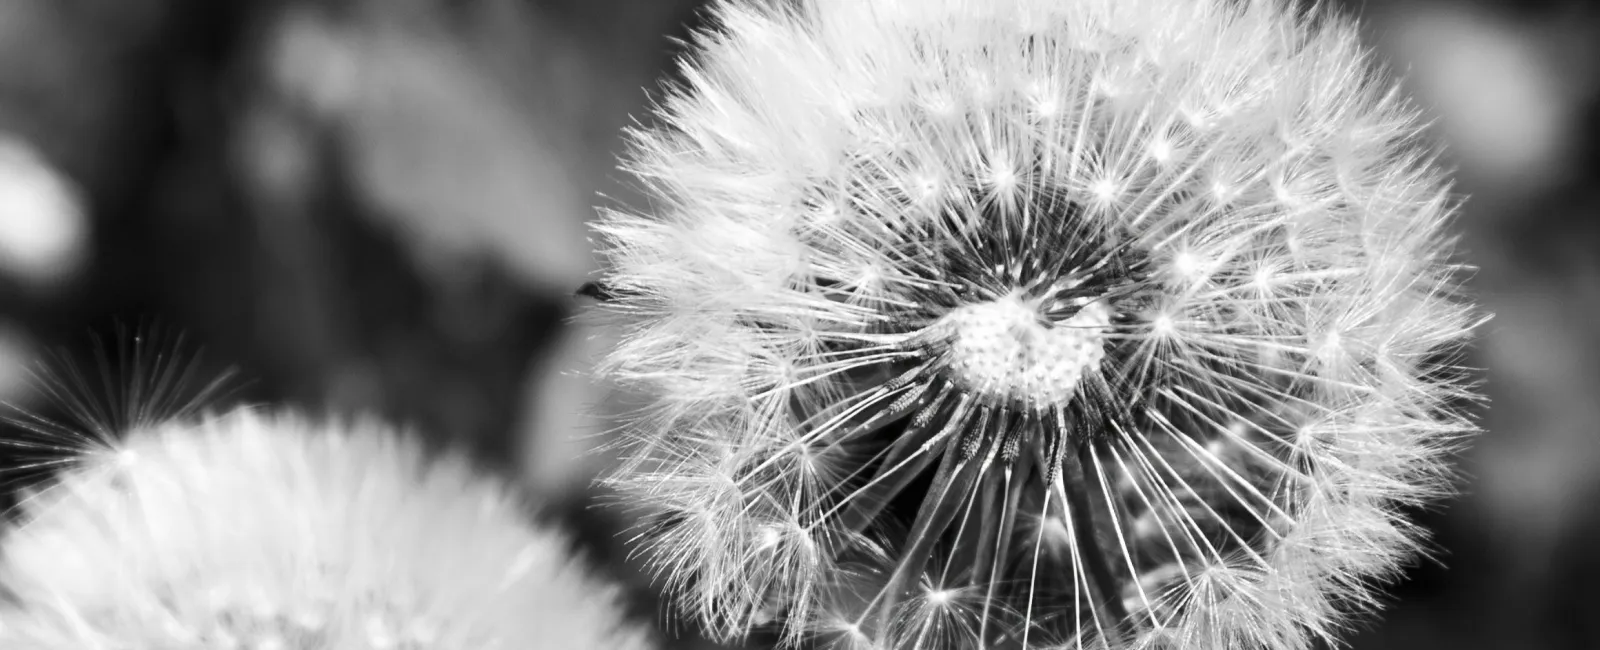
(1034, 323)
(271, 531)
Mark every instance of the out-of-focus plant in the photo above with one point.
(272, 531)
(1035, 322)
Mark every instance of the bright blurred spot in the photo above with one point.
(43, 228)
(317, 62)
(1503, 102)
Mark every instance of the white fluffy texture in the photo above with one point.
(264, 531)
(1234, 184)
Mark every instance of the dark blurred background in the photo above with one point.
(378, 206)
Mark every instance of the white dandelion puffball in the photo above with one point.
(1034, 323)
(268, 532)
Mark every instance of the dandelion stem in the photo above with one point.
(956, 477)
(1094, 558)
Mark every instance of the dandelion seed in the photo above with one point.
(253, 530)
(149, 374)
(1132, 370)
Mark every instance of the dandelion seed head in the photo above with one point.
(255, 530)
(1079, 323)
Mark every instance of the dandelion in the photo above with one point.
(268, 531)
(1034, 323)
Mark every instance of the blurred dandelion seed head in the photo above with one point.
(256, 530)
(1034, 323)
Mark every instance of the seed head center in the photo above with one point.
(1005, 348)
